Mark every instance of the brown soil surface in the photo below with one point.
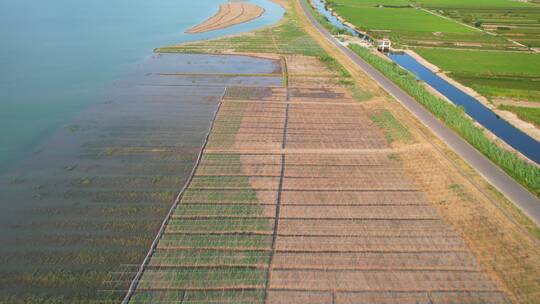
(298, 297)
(335, 197)
(342, 214)
(229, 14)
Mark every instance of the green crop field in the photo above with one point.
(490, 64)
(494, 63)
(474, 3)
(514, 75)
(454, 117)
(395, 16)
(401, 21)
(407, 25)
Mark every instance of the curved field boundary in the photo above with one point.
(229, 14)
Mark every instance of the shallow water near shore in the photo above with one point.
(58, 57)
(93, 196)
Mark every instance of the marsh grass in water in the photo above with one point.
(392, 128)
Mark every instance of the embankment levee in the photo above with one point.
(229, 14)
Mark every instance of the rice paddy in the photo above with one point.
(514, 75)
(304, 195)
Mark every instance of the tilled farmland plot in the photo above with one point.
(299, 198)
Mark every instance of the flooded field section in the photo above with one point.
(93, 197)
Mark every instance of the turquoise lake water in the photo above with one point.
(60, 56)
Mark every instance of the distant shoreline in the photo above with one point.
(229, 14)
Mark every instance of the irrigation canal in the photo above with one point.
(472, 106)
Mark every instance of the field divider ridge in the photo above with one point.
(276, 225)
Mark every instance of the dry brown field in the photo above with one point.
(300, 197)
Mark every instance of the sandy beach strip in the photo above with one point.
(229, 14)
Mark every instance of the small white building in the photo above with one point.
(384, 45)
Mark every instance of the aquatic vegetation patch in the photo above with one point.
(204, 241)
(392, 128)
(406, 25)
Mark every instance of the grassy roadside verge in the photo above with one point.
(526, 174)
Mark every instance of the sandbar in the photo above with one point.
(229, 14)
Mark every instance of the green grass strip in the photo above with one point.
(393, 129)
(531, 115)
